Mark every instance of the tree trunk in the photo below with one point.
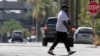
(38, 31)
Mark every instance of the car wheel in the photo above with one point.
(21, 40)
(12, 41)
(44, 42)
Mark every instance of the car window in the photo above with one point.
(17, 33)
(52, 21)
(86, 31)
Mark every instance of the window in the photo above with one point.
(52, 21)
(18, 33)
(13, 11)
(11, 0)
(87, 31)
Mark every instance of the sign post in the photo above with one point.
(93, 8)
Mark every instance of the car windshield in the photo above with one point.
(86, 31)
(52, 21)
(18, 34)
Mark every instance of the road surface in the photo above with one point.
(36, 49)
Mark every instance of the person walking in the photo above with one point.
(61, 29)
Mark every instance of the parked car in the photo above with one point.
(17, 36)
(32, 38)
(50, 32)
(84, 35)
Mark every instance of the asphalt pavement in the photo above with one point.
(36, 49)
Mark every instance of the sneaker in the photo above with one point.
(71, 52)
(51, 52)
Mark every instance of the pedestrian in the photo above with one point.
(61, 29)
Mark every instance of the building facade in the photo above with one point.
(13, 9)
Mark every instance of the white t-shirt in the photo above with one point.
(62, 16)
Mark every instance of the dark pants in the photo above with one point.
(61, 37)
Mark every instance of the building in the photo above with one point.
(13, 9)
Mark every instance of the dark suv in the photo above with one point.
(50, 32)
(17, 36)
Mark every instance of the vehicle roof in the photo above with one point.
(52, 17)
(82, 28)
(85, 28)
(17, 31)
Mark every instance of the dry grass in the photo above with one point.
(97, 40)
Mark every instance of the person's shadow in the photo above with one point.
(61, 55)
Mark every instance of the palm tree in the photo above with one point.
(41, 10)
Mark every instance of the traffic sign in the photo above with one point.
(93, 8)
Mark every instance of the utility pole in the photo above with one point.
(70, 13)
(92, 0)
(73, 13)
(99, 1)
(77, 12)
(85, 12)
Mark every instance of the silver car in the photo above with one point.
(84, 35)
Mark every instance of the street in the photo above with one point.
(36, 49)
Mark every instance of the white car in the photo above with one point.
(84, 35)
